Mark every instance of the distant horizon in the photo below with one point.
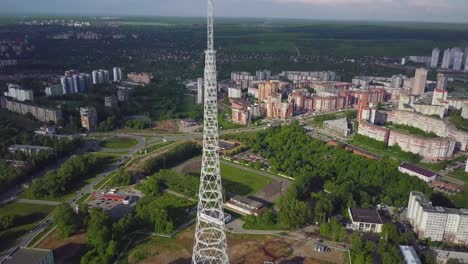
(431, 11)
(102, 15)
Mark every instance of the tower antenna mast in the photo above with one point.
(210, 237)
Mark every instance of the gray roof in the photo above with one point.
(365, 215)
(28, 255)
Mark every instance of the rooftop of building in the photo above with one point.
(428, 207)
(365, 215)
(27, 255)
(21, 147)
(418, 170)
(410, 255)
(341, 123)
(247, 201)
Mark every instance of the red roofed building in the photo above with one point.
(117, 198)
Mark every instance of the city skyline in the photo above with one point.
(395, 10)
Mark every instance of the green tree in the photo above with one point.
(66, 220)
(99, 231)
(293, 213)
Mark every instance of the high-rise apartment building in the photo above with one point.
(457, 59)
(441, 81)
(446, 59)
(88, 118)
(141, 78)
(263, 75)
(435, 57)
(437, 223)
(117, 74)
(466, 59)
(420, 80)
(266, 89)
(100, 76)
(19, 93)
(54, 90)
(75, 82)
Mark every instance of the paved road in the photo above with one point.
(7, 196)
(26, 239)
(29, 201)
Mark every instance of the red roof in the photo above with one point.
(115, 197)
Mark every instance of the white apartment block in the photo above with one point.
(437, 223)
(19, 93)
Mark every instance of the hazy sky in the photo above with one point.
(420, 10)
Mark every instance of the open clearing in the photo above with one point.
(68, 250)
(243, 249)
(119, 143)
(235, 180)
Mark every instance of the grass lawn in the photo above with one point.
(119, 143)
(83, 198)
(242, 182)
(62, 198)
(176, 207)
(155, 147)
(256, 226)
(27, 216)
(460, 174)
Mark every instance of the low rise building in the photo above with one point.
(124, 199)
(443, 256)
(421, 173)
(24, 255)
(245, 205)
(338, 126)
(29, 149)
(365, 220)
(409, 255)
(435, 222)
(188, 123)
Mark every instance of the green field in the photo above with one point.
(256, 226)
(460, 174)
(119, 143)
(242, 182)
(27, 216)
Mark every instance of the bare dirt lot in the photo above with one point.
(243, 249)
(66, 251)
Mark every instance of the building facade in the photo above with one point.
(435, 58)
(141, 78)
(88, 118)
(437, 223)
(420, 80)
(19, 93)
(54, 90)
(117, 74)
(41, 113)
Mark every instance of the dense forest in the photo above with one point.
(17, 129)
(330, 179)
(61, 181)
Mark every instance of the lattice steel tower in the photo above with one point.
(210, 240)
